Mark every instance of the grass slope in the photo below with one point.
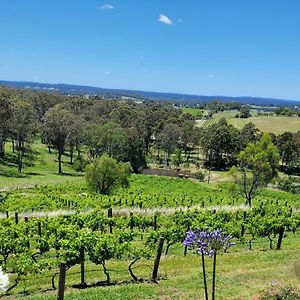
(42, 172)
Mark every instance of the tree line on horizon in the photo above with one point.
(127, 131)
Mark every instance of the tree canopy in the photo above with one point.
(258, 165)
(105, 174)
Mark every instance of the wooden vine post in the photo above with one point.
(157, 258)
(61, 281)
(109, 214)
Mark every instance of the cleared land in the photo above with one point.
(274, 124)
(277, 125)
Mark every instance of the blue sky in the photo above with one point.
(206, 47)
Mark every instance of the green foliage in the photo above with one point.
(200, 175)
(258, 165)
(284, 111)
(219, 144)
(58, 126)
(80, 164)
(105, 174)
(285, 293)
(177, 158)
(245, 112)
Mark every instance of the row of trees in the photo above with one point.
(221, 144)
(126, 131)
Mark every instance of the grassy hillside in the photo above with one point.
(42, 172)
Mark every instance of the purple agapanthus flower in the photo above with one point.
(208, 242)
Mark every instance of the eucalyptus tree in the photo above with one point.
(258, 165)
(168, 139)
(58, 125)
(5, 120)
(23, 127)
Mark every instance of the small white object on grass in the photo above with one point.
(4, 281)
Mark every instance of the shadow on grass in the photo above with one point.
(68, 174)
(113, 283)
(12, 174)
(34, 174)
(9, 161)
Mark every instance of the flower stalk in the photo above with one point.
(208, 243)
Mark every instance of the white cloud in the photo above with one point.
(164, 19)
(106, 6)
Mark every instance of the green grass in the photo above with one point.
(277, 125)
(44, 171)
(241, 274)
(193, 111)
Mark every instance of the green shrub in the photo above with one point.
(200, 175)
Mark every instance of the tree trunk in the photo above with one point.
(270, 242)
(82, 273)
(168, 248)
(130, 270)
(59, 163)
(106, 274)
(2, 148)
(20, 156)
(280, 237)
(71, 155)
(160, 245)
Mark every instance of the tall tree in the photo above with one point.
(289, 150)
(75, 139)
(168, 139)
(248, 134)
(58, 124)
(220, 145)
(135, 150)
(258, 165)
(23, 127)
(107, 138)
(5, 120)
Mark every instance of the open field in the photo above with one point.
(274, 124)
(277, 125)
(193, 111)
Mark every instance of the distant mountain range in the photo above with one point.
(183, 98)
